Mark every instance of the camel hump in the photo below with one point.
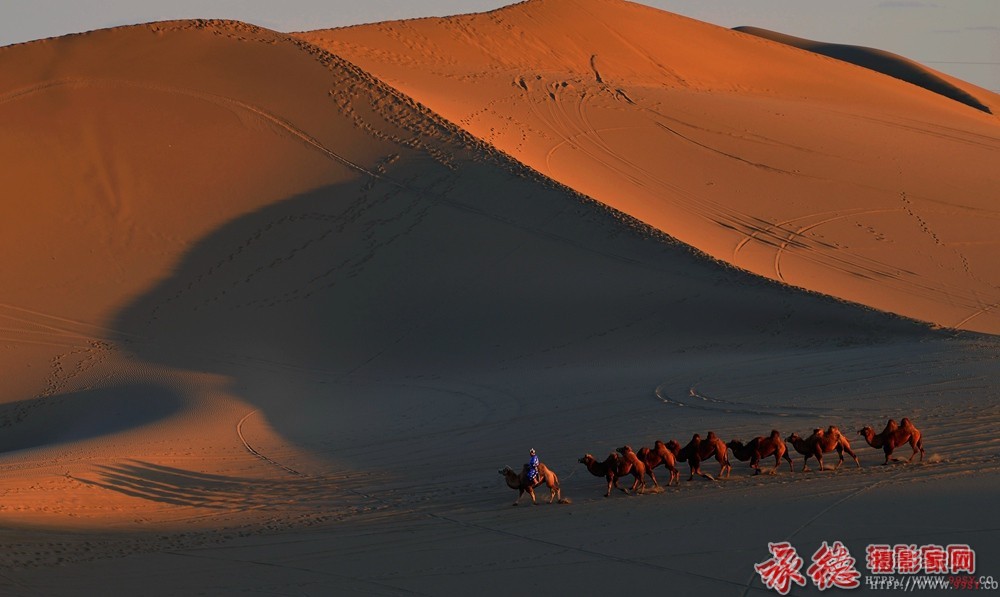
(904, 422)
(775, 434)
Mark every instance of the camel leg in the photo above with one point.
(639, 483)
(697, 471)
(675, 476)
(618, 487)
(653, 477)
(520, 492)
(853, 455)
(791, 467)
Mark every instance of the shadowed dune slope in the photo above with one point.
(881, 61)
(204, 216)
(792, 165)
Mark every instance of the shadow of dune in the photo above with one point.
(88, 414)
(315, 306)
(880, 61)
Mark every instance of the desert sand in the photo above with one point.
(279, 306)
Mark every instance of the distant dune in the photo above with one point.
(881, 61)
(278, 307)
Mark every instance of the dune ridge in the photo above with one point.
(278, 323)
(880, 61)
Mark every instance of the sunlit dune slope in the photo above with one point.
(224, 237)
(793, 165)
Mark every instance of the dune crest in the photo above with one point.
(880, 61)
(788, 164)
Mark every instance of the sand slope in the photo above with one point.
(792, 165)
(276, 326)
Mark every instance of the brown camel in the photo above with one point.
(638, 467)
(611, 469)
(761, 447)
(523, 485)
(656, 456)
(894, 436)
(698, 450)
(821, 442)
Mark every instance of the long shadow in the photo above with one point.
(181, 487)
(77, 416)
(475, 272)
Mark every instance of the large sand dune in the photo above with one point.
(272, 325)
(787, 163)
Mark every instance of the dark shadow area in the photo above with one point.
(181, 487)
(880, 61)
(475, 272)
(77, 416)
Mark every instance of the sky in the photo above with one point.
(958, 37)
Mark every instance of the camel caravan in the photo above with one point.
(626, 462)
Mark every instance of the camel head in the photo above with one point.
(673, 446)
(624, 449)
(866, 431)
(794, 437)
(587, 459)
(506, 471)
(735, 444)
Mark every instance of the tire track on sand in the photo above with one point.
(246, 444)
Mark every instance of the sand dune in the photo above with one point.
(884, 62)
(793, 166)
(277, 323)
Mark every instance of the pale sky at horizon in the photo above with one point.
(958, 37)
